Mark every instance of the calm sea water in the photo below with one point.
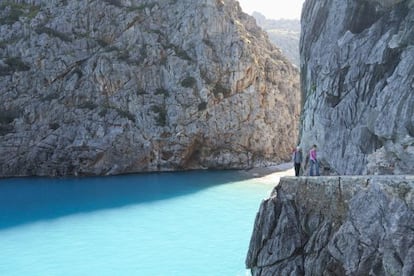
(190, 223)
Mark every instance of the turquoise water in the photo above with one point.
(192, 223)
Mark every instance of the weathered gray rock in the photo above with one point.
(119, 86)
(357, 76)
(284, 33)
(359, 225)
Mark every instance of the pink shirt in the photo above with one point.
(312, 154)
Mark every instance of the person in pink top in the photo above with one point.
(314, 166)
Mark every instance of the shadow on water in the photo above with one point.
(27, 200)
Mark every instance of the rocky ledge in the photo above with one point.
(360, 225)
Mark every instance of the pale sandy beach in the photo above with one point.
(272, 175)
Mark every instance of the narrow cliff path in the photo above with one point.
(272, 175)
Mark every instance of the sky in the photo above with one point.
(273, 9)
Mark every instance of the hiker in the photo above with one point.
(314, 166)
(297, 160)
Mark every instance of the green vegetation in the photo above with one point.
(116, 3)
(123, 55)
(135, 8)
(182, 54)
(103, 111)
(123, 113)
(220, 89)
(208, 43)
(88, 105)
(12, 17)
(202, 106)
(158, 32)
(204, 76)
(3, 43)
(162, 114)
(16, 10)
(8, 116)
(141, 7)
(143, 52)
(78, 72)
(54, 126)
(188, 82)
(312, 89)
(164, 60)
(141, 92)
(134, 21)
(162, 91)
(179, 52)
(102, 42)
(5, 129)
(111, 49)
(15, 64)
(51, 96)
(15, 39)
(54, 33)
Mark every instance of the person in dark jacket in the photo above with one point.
(297, 160)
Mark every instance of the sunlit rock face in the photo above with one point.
(121, 86)
(357, 66)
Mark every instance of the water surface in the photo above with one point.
(189, 223)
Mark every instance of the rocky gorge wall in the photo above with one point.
(357, 78)
(338, 225)
(120, 86)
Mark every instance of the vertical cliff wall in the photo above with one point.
(357, 75)
(357, 62)
(335, 226)
(118, 86)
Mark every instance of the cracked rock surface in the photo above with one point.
(357, 76)
(361, 225)
(122, 86)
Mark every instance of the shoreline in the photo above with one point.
(271, 174)
(283, 169)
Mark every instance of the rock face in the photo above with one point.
(357, 76)
(284, 33)
(336, 226)
(119, 86)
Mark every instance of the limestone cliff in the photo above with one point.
(119, 86)
(284, 33)
(357, 76)
(336, 226)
